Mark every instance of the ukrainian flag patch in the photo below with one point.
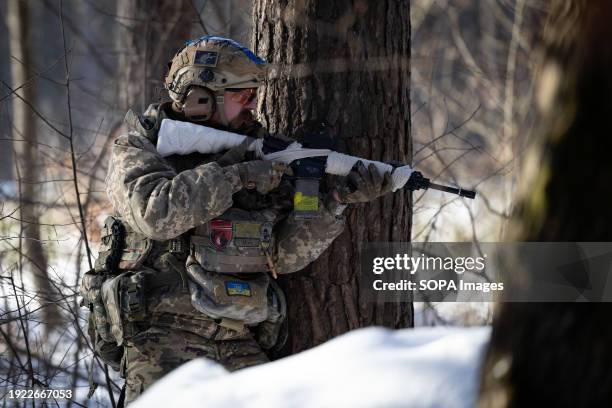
(234, 288)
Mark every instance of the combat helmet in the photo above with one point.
(200, 73)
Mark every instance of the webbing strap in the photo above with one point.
(121, 402)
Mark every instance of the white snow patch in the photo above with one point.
(371, 367)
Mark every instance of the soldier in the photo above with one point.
(198, 234)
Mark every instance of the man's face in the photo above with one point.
(239, 106)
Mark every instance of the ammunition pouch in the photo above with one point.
(237, 300)
(235, 242)
(123, 297)
(91, 285)
(99, 328)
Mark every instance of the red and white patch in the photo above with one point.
(221, 233)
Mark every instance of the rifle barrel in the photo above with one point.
(459, 191)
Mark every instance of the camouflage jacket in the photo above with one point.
(163, 198)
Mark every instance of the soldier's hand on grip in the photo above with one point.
(262, 175)
(363, 184)
(234, 155)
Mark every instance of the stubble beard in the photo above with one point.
(243, 122)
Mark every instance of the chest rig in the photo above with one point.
(236, 242)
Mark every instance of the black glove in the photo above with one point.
(234, 155)
(262, 175)
(363, 185)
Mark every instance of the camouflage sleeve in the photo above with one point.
(156, 201)
(300, 242)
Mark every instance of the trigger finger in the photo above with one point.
(387, 184)
(375, 176)
(366, 176)
(354, 180)
(363, 172)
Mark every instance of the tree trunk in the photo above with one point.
(27, 164)
(544, 354)
(152, 31)
(345, 63)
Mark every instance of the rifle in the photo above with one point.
(310, 158)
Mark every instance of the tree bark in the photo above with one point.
(27, 164)
(345, 63)
(558, 354)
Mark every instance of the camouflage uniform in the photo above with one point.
(163, 198)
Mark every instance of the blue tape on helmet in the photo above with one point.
(245, 50)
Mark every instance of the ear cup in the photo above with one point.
(199, 104)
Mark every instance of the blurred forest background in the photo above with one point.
(72, 68)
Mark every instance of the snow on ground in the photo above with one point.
(371, 367)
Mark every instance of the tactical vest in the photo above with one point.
(235, 242)
(226, 259)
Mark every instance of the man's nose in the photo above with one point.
(252, 104)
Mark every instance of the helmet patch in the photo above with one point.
(206, 58)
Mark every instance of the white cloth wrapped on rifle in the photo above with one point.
(176, 137)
